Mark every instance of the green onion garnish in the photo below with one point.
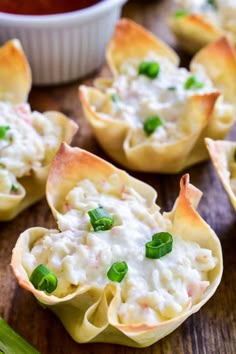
(151, 124)
(180, 13)
(114, 97)
(3, 131)
(149, 68)
(117, 271)
(212, 3)
(43, 279)
(12, 343)
(100, 219)
(171, 88)
(160, 245)
(193, 83)
(14, 188)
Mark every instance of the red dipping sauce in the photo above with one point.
(43, 7)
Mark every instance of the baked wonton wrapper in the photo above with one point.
(223, 154)
(15, 73)
(15, 83)
(201, 115)
(90, 313)
(195, 30)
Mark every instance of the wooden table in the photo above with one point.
(210, 331)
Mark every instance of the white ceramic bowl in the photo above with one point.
(63, 47)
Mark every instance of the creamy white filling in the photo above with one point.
(29, 136)
(137, 97)
(153, 289)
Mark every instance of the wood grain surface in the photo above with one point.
(210, 331)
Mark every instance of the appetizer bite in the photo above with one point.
(223, 156)
(152, 116)
(199, 22)
(28, 139)
(117, 270)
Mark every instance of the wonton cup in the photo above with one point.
(90, 313)
(200, 116)
(15, 83)
(222, 155)
(195, 31)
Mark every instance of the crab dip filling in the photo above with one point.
(150, 96)
(219, 12)
(28, 140)
(108, 234)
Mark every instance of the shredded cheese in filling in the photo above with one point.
(133, 97)
(153, 289)
(221, 13)
(30, 137)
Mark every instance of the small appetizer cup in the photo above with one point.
(91, 311)
(118, 108)
(223, 156)
(195, 29)
(15, 83)
(66, 46)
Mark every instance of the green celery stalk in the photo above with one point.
(13, 343)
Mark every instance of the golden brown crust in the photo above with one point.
(223, 72)
(89, 313)
(221, 153)
(194, 31)
(131, 40)
(15, 73)
(198, 21)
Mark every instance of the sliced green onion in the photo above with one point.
(12, 343)
(149, 68)
(160, 245)
(193, 83)
(43, 279)
(14, 188)
(100, 219)
(114, 97)
(3, 131)
(151, 124)
(171, 88)
(180, 13)
(212, 3)
(117, 271)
